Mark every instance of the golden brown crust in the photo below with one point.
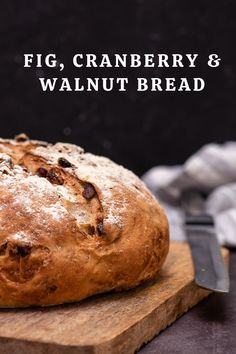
(72, 225)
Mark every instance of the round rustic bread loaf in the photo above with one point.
(72, 225)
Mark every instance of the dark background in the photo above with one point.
(136, 129)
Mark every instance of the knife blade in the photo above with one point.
(210, 269)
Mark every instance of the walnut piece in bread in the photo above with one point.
(72, 225)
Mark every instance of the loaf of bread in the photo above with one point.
(72, 225)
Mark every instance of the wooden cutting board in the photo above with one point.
(110, 323)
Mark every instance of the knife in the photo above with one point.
(210, 270)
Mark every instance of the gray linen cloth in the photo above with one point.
(212, 170)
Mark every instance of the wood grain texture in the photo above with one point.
(111, 323)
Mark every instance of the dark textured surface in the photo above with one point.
(138, 130)
(209, 328)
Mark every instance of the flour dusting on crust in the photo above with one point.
(29, 193)
(102, 173)
(106, 177)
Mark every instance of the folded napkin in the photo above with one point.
(212, 171)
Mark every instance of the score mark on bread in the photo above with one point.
(72, 225)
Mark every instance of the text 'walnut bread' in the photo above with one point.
(72, 225)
